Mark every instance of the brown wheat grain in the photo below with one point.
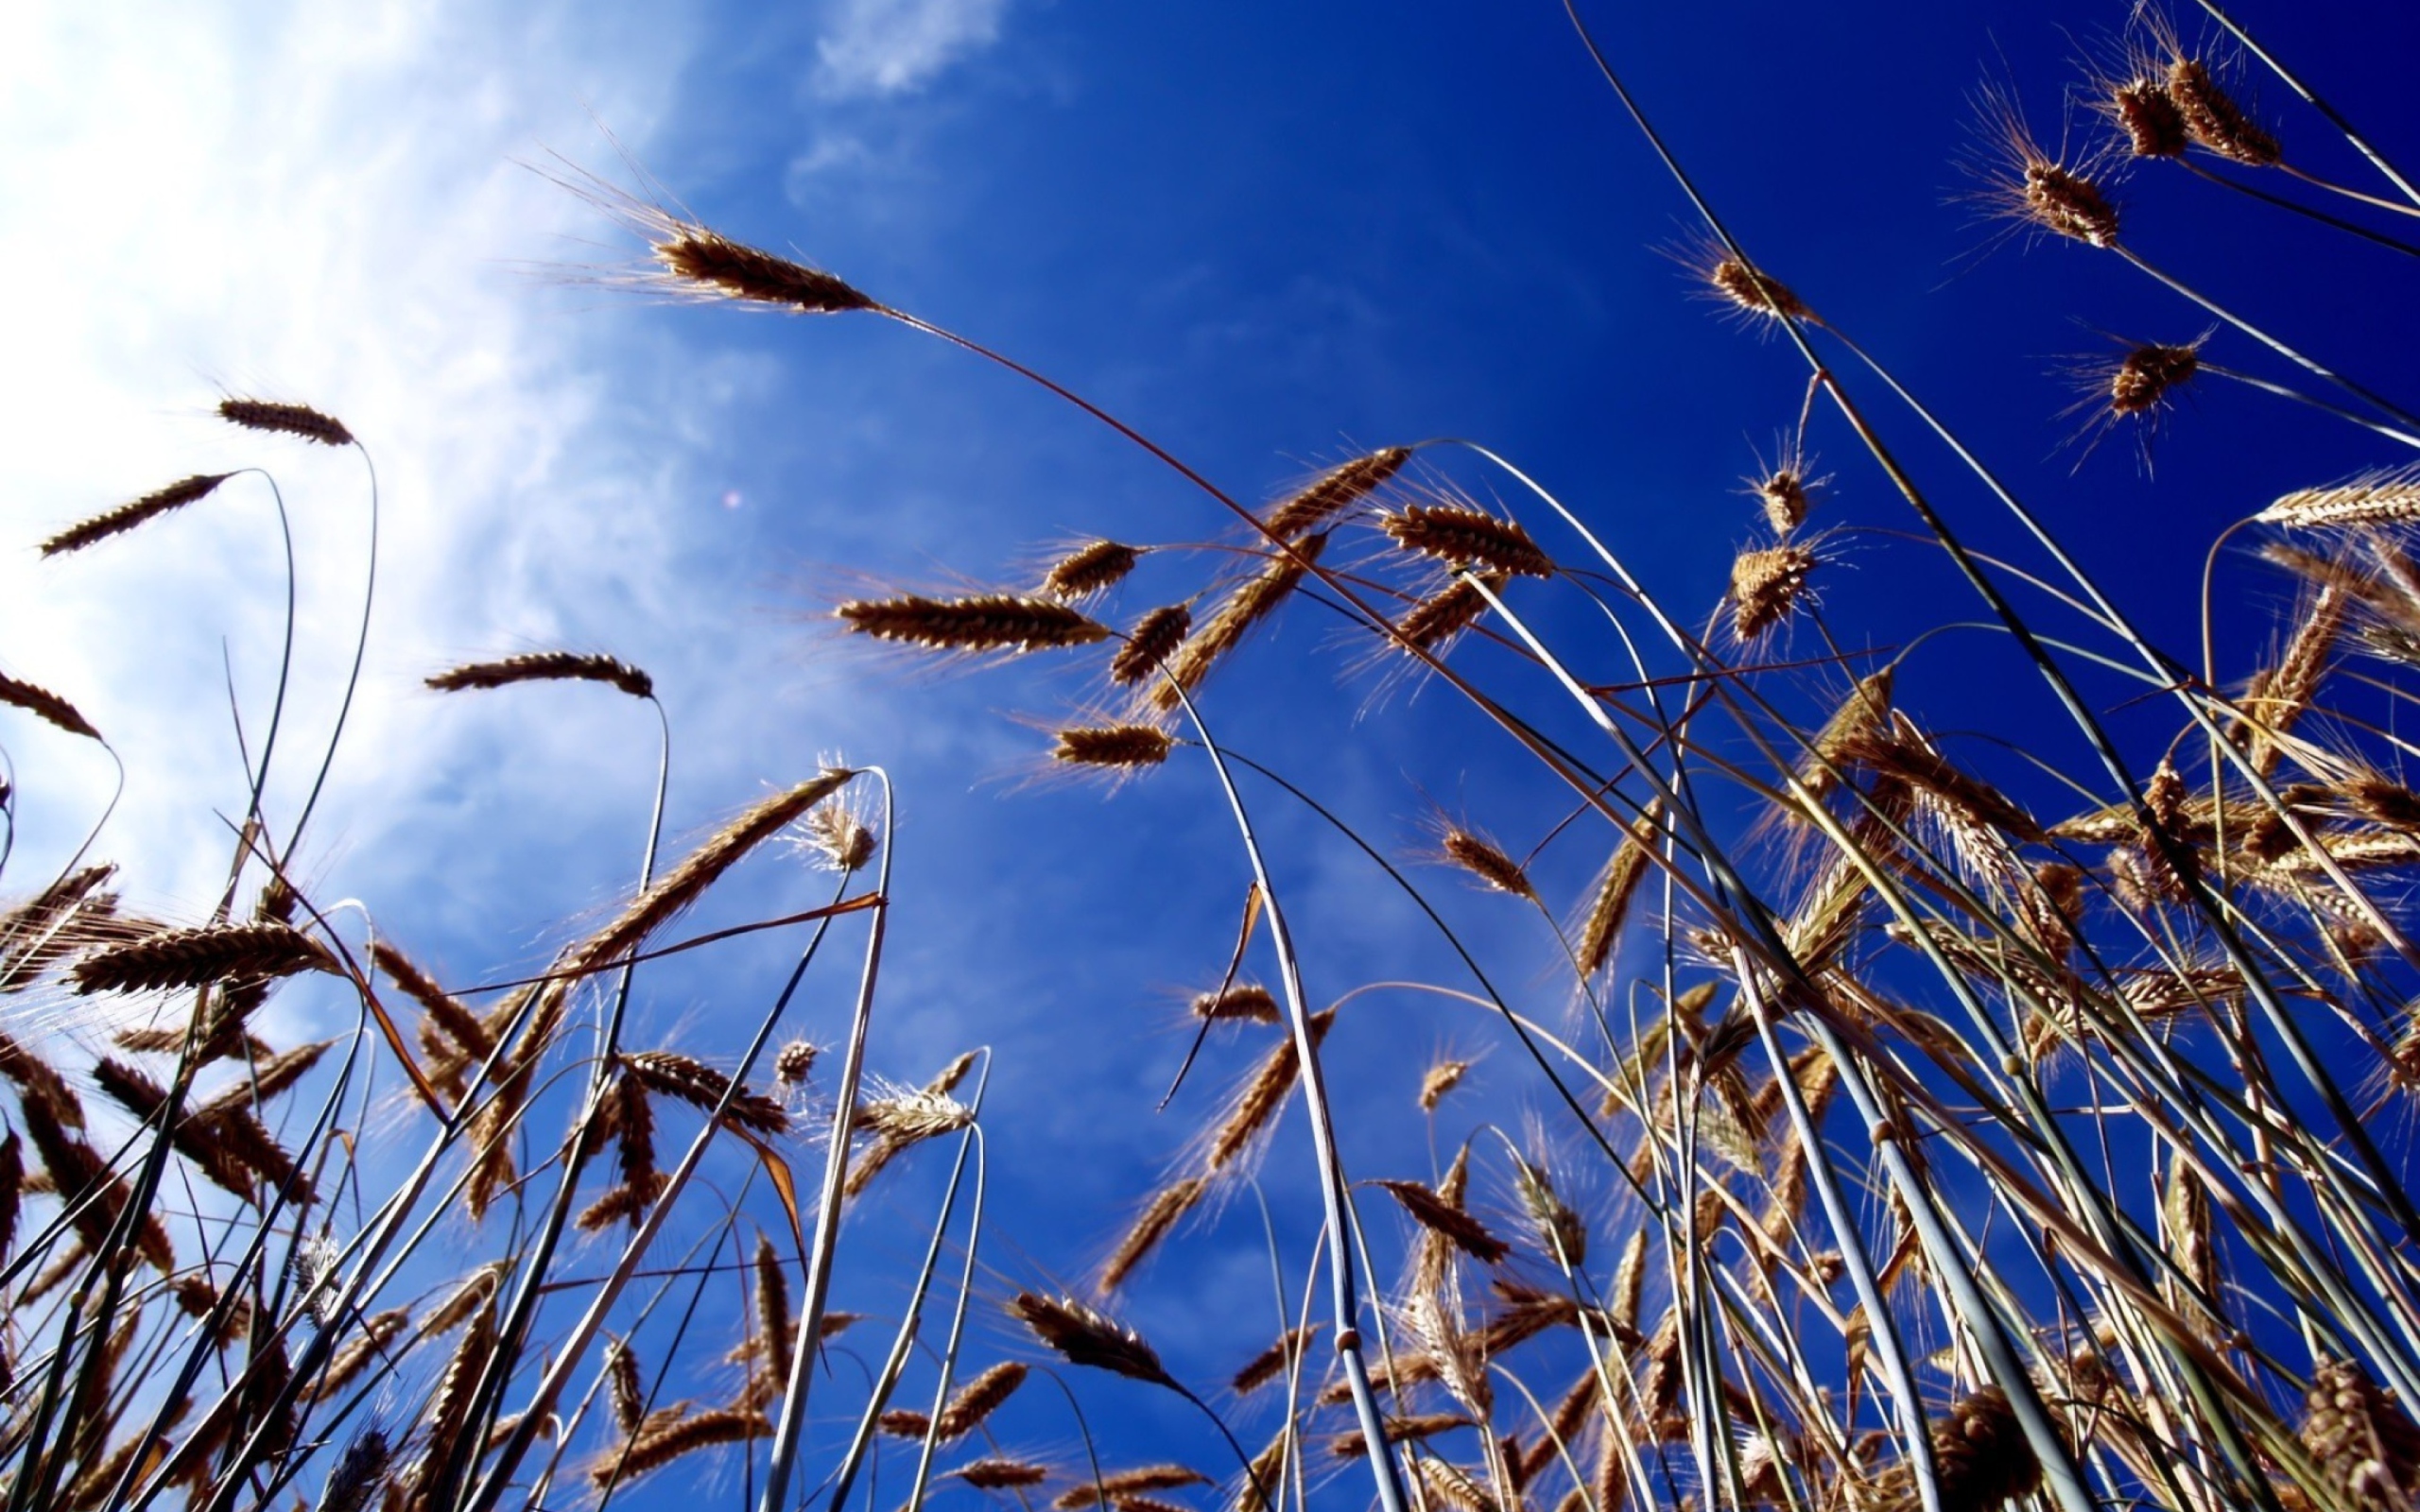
(1001, 1473)
(287, 420)
(1153, 640)
(1261, 1097)
(1434, 622)
(1487, 861)
(985, 622)
(1466, 536)
(46, 706)
(1080, 1336)
(1246, 1001)
(1123, 748)
(1158, 1218)
(1269, 1364)
(1117, 1486)
(709, 264)
(1095, 567)
(1332, 492)
(176, 958)
(2373, 499)
(127, 517)
(547, 666)
(1447, 1220)
(1766, 585)
(977, 1400)
(2215, 120)
(701, 1086)
(1245, 606)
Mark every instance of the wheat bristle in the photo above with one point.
(147, 1101)
(1264, 1472)
(912, 1116)
(546, 666)
(474, 1288)
(1980, 1457)
(470, 1036)
(2280, 694)
(68, 915)
(40, 1085)
(634, 1138)
(2047, 193)
(1860, 717)
(1456, 1486)
(359, 1475)
(1562, 1233)
(1903, 756)
(265, 1079)
(449, 1406)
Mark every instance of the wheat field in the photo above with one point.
(1907, 1115)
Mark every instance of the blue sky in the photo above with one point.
(1271, 235)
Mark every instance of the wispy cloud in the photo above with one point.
(352, 247)
(893, 46)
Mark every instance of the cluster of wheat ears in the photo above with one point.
(1952, 1154)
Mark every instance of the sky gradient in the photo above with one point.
(1272, 236)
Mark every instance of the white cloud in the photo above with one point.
(890, 46)
(325, 207)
